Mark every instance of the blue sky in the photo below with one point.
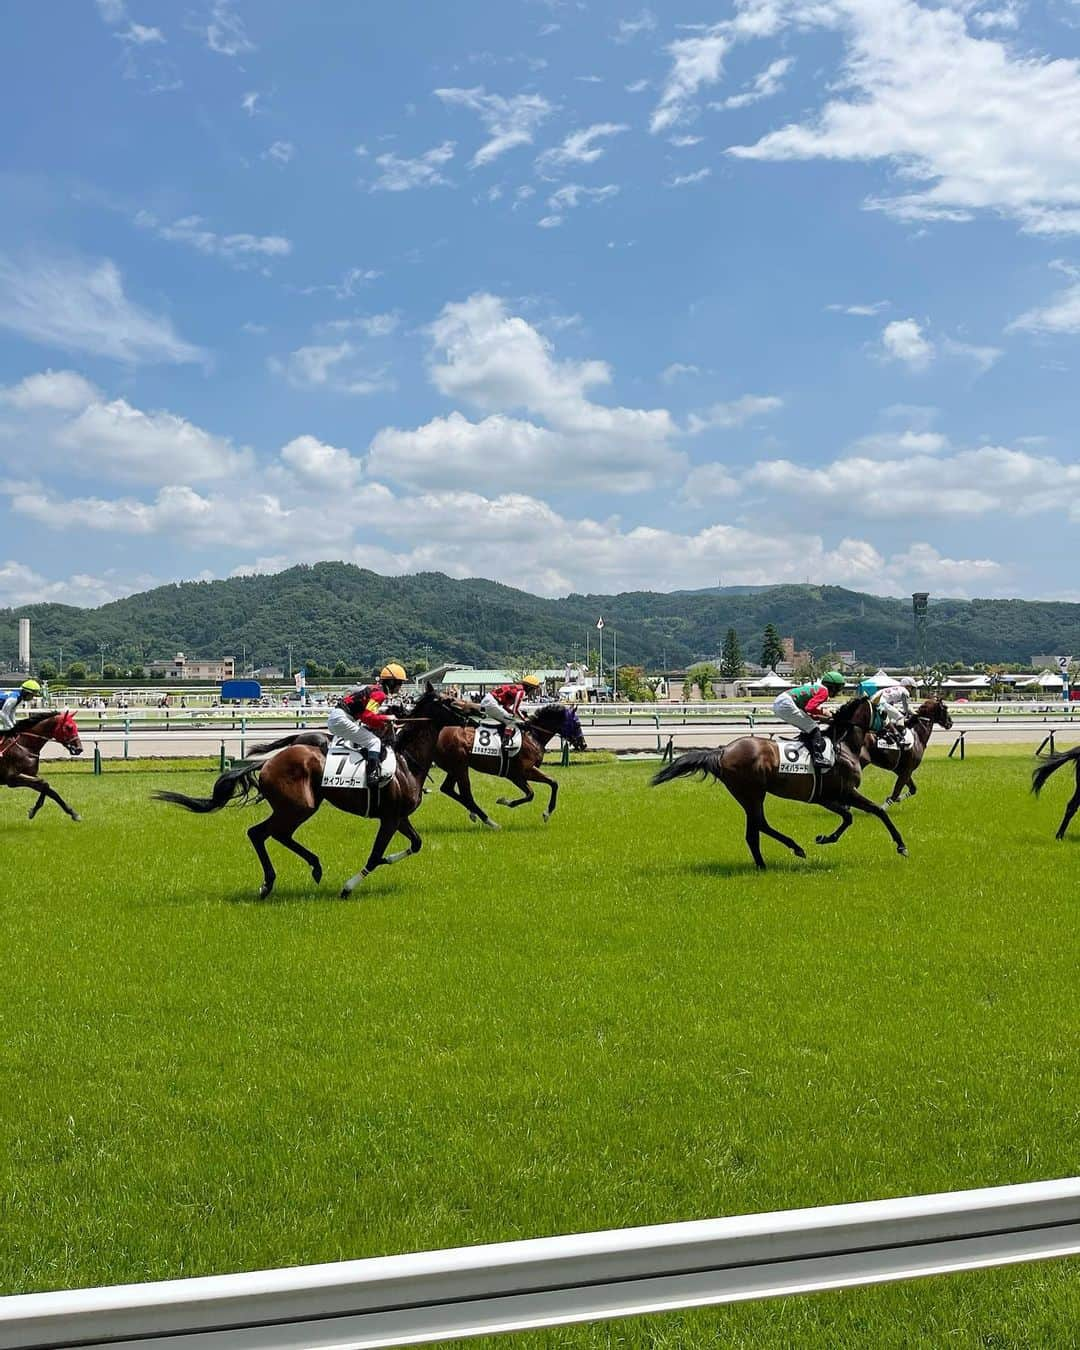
(572, 294)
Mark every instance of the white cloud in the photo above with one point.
(509, 122)
(336, 368)
(318, 465)
(500, 363)
(903, 340)
(865, 311)
(1006, 16)
(250, 102)
(630, 28)
(225, 33)
(1061, 314)
(141, 36)
(281, 151)
(570, 196)
(81, 306)
(970, 483)
(27, 587)
(112, 11)
(975, 125)
(637, 87)
(677, 370)
(696, 61)
(241, 249)
(983, 357)
(767, 83)
(684, 142)
(725, 416)
(368, 325)
(578, 148)
(685, 179)
(57, 390)
(74, 427)
(708, 482)
(397, 174)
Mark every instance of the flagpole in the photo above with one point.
(615, 664)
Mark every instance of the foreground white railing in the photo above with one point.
(430, 1296)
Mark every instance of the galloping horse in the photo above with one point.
(291, 784)
(20, 750)
(454, 753)
(1051, 766)
(903, 763)
(750, 769)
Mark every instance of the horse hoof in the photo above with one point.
(344, 893)
(821, 839)
(502, 801)
(316, 874)
(491, 825)
(902, 851)
(799, 852)
(264, 891)
(76, 817)
(546, 817)
(473, 817)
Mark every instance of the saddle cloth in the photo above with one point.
(795, 756)
(488, 740)
(907, 741)
(346, 766)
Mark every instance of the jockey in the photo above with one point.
(803, 707)
(29, 689)
(358, 719)
(893, 702)
(502, 703)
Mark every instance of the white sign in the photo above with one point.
(600, 622)
(1064, 662)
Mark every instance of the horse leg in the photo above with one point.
(43, 790)
(519, 782)
(387, 830)
(1070, 810)
(766, 828)
(285, 838)
(258, 834)
(845, 822)
(861, 803)
(466, 798)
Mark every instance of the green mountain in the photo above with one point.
(335, 611)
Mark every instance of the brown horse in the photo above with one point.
(750, 770)
(20, 750)
(454, 753)
(291, 784)
(933, 713)
(1051, 766)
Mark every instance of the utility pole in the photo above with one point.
(290, 660)
(103, 647)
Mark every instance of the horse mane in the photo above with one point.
(550, 715)
(844, 714)
(33, 719)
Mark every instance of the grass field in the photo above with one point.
(607, 1020)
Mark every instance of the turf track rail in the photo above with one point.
(514, 1286)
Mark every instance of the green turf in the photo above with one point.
(607, 1020)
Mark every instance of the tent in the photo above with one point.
(1048, 680)
(769, 681)
(970, 682)
(882, 677)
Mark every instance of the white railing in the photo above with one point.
(515, 1286)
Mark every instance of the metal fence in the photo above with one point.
(515, 1286)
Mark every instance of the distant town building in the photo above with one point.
(182, 667)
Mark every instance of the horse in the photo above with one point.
(20, 751)
(291, 784)
(454, 754)
(933, 713)
(750, 770)
(1051, 766)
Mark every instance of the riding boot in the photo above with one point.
(372, 761)
(816, 741)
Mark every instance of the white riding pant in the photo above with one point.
(785, 707)
(493, 709)
(339, 723)
(894, 705)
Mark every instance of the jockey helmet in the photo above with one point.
(832, 679)
(30, 687)
(908, 682)
(392, 671)
(531, 682)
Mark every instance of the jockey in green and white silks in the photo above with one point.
(891, 701)
(802, 707)
(29, 689)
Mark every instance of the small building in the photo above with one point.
(182, 667)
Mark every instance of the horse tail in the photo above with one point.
(1051, 766)
(708, 763)
(242, 778)
(318, 739)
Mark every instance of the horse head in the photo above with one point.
(853, 719)
(936, 710)
(436, 708)
(64, 731)
(563, 720)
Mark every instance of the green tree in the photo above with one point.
(76, 670)
(632, 683)
(341, 671)
(772, 650)
(703, 675)
(109, 671)
(731, 662)
(47, 671)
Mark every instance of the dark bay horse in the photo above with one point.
(20, 750)
(750, 770)
(933, 713)
(454, 753)
(291, 785)
(1051, 766)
